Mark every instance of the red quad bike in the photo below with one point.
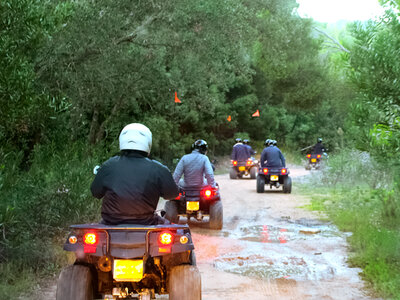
(240, 168)
(274, 177)
(314, 161)
(130, 262)
(196, 202)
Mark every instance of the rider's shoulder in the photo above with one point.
(157, 163)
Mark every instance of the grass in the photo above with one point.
(355, 204)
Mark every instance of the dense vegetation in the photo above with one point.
(73, 73)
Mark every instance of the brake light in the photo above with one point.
(165, 238)
(207, 193)
(249, 162)
(265, 171)
(308, 155)
(235, 163)
(90, 238)
(284, 171)
(179, 197)
(319, 156)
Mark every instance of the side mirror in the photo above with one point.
(96, 169)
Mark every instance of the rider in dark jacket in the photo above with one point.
(319, 148)
(272, 157)
(131, 183)
(247, 144)
(240, 152)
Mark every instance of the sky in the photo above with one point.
(331, 11)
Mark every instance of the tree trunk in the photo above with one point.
(94, 126)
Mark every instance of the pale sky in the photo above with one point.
(330, 11)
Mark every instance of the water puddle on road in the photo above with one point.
(300, 250)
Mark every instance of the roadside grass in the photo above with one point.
(371, 214)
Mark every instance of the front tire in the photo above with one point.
(171, 211)
(75, 283)
(216, 215)
(260, 184)
(184, 283)
(232, 173)
(287, 185)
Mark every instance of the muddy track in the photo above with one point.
(270, 248)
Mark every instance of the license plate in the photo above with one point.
(192, 205)
(128, 270)
(242, 168)
(313, 160)
(274, 178)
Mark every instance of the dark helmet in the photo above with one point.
(246, 141)
(267, 142)
(319, 140)
(274, 142)
(238, 140)
(201, 145)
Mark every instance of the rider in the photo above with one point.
(195, 166)
(272, 157)
(240, 152)
(131, 183)
(319, 148)
(246, 142)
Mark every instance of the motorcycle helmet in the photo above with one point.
(201, 145)
(267, 142)
(135, 136)
(246, 141)
(238, 140)
(274, 142)
(319, 140)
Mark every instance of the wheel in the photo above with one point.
(192, 258)
(171, 211)
(216, 215)
(75, 283)
(232, 173)
(260, 184)
(184, 283)
(253, 173)
(287, 185)
(308, 167)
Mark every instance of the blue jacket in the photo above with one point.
(240, 152)
(194, 167)
(272, 157)
(251, 151)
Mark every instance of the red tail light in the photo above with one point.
(308, 155)
(179, 197)
(284, 171)
(265, 171)
(249, 162)
(235, 163)
(207, 193)
(319, 156)
(90, 238)
(165, 238)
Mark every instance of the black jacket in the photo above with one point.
(319, 148)
(131, 186)
(240, 152)
(272, 157)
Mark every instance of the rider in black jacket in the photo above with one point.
(131, 183)
(319, 148)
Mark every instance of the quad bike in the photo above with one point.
(314, 161)
(240, 168)
(274, 177)
(130, 262)
(196, 202)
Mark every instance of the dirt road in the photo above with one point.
(270, 248)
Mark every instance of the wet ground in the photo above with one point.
(271, 248)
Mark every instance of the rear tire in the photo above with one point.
(75, 283)
(232, 173)
(260, 184)
(171, 211)
(308, 167)
(184, 283)
(287, 185)
(253, 173)
(216, 215)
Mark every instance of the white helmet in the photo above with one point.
(135, 136)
